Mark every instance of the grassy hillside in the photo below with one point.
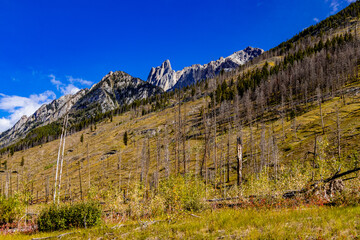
(106, 143)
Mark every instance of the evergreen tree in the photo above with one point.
(125, 138)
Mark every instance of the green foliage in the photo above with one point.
(69, 216)
(182, 193)
(48, 166)
(10, 209)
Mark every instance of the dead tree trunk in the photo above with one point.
(179, 131)
(215, 143)
(239, 161)
(183, 136)
(88, 165)
(228, 156)
(62, 160)
(167, 160)
(81, 191)
(143, 162)
(338, 131)
(158, 156)
(318, 91)
(119, 169)
(47, 193)
(58, 161)
(7, 184)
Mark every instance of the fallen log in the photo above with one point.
(51, 237)
(221, 199)
(337, 175)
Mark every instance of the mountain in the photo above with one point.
(167, 78)
(114, 90)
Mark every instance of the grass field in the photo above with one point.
(294, 223)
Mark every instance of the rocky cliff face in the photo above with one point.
(115, 89)
(166, 78)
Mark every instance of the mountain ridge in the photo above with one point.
(168, 79)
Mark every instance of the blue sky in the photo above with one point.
(51, 48)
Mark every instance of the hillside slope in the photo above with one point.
(281, 105)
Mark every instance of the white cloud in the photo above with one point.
(53, 80)
(336, 4)
(18, 106)
(5, 124)
(316, 20)
(79, 80)
(69, 89)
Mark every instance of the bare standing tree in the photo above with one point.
(60, 161)
(215, 135)
(262, 147)
(206, 142)
(167, 160)
(179, 131)
(143, 163)
(80, 180)
(239, 161)
(228, 155)
(275, 156)
(282, 112)
(158, 157)
(88, 165)
(249, 109)
(338, 132)
(319, 98)
(119, 169)
(183, 136)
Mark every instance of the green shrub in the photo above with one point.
(183, 193)
(69, 216)
(10, 209)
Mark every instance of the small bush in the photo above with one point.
(183, 193)
(10, 209)
(69, 216)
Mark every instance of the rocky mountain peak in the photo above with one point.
(166, 65)
(166, 78)
(162, 76)
(115, 89)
